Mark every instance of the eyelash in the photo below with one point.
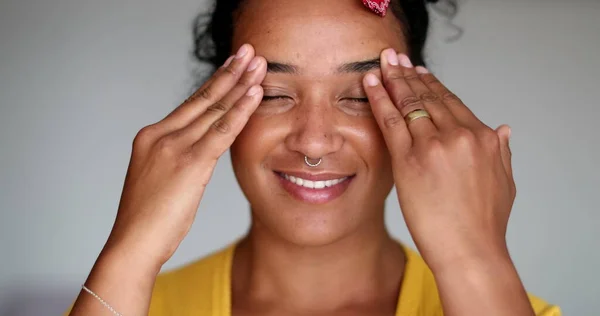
(276, 97)
(358, 100)
(279, 97)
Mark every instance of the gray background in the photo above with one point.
(78, 79)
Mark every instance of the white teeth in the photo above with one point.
(313, 184)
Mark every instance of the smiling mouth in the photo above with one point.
(313, 184)
(314, 188)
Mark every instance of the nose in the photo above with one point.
(315, 132)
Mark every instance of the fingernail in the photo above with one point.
(421, 70)
(405, 61)
(391, 57)
(254, 64)
(371, 80)
(253, 91)
(228, 61)
(242, 51)
(509, 132)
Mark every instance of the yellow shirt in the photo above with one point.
(202, 288)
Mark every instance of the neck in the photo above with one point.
(361, 269)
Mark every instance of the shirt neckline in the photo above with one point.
(412, 282)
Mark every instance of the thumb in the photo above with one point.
(504, 132)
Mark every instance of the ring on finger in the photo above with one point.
(416, 114)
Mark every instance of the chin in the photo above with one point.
(312, 227)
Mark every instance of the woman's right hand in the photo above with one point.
(173, 160)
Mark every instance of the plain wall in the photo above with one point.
(79, 78)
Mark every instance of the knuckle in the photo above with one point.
(393, 120)
(166, 146)
(145, 136)
(394, 76)
(221, 126)
(203, 94)
(429, 97)
(217, 107)
(464, 138)
(450, 97)
(430, 79)
(412, 77)
(410, 101)
(145, 133)
(230, 70)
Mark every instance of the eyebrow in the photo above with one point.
(281, 68)
(358, 66)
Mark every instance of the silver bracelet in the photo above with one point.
(101, 300)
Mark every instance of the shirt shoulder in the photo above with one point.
(543, 308)
(419, 293)
(198, 288)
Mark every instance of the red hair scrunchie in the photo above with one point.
(379, 7)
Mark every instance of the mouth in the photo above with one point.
(314, 188)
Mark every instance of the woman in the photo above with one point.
(324, 113)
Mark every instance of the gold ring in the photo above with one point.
(417, 114)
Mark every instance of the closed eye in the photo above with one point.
(359, 100)
(274, 97)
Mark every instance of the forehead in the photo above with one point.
(316, 34)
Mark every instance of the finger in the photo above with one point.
(211, 79)
(504, 132)
(208, 82)
(390, 120)
(221, 83)
(224, 131)
(461, 112)
(441, 116)
(254, 75)
(403, 96)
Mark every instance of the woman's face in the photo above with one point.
(314, 106)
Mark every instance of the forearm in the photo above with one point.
(488, 286)
(122, 281)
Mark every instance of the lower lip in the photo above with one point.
(314, 196)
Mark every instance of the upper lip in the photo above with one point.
(323, 176)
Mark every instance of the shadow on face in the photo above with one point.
(314, 106)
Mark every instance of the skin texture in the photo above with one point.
(315, 119)
(452, 173)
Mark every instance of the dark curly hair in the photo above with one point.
(214, 48)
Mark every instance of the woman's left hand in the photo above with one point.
(453, 173)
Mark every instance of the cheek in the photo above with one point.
(366, 138)
(256, 140)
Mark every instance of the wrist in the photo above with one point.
(457, 260)
(129, 260)
(121, 279)
(478, 285)
(475, 266)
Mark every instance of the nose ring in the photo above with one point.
(312, 164)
